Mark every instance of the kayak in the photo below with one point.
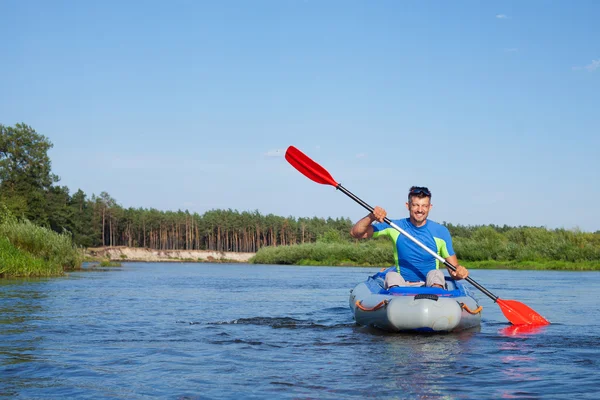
(417, 309)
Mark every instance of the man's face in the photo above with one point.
(419, 209)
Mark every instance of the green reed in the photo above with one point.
(30, 250)
(363, 254)
(483, 247)
(558, 249)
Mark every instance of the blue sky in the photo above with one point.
(191, 104)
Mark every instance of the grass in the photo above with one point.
(535, 265)
(365, 254)
(18, 263)
(109, 263)
(380, 254)
(28, 250)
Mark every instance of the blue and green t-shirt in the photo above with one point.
(412, 262)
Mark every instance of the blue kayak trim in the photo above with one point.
(424, 329)
(375, 285)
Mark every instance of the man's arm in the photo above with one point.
(363, 228)
(461, 272)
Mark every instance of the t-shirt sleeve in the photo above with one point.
(380, 229)
(447, 249)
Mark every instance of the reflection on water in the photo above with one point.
(517, 357)
(522, 330)
(518, 361)
(422, 363)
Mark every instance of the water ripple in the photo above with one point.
(177, 331)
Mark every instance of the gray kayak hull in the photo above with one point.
(414, 309)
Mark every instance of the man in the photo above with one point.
(414, 266)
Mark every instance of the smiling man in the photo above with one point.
(414, 266)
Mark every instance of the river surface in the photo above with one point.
(221, 331)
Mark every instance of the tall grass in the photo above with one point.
(528, 245)
(15, 262)
(535, 265)
(363, 254)
(476, 247)
(30, 250)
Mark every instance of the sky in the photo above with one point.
(190, 105)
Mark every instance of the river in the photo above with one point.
(225, 331)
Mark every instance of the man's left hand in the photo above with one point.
(460, 273)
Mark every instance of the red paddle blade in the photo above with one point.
(522, 330)
(520, 314)
(308, 167)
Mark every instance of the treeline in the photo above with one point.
(99, 221)
(29, 190)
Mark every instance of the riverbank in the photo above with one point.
(380, 254)
(122, 253)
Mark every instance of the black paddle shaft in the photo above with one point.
(388, 221)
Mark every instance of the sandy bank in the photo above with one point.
(121, 253)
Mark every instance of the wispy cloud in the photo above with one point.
(361, 155)
(275, 153)
(594, 65)
(501, 16)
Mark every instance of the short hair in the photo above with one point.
(418, 191)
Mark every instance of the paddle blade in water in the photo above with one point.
(308, 167)
(520, 314)
(522, 330)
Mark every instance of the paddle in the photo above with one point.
(517, 313)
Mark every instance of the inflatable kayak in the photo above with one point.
(421, 309)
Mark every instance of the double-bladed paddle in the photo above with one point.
(517, 313)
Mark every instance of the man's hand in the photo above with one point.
(378, 214)
(460, 273)
(363, 229)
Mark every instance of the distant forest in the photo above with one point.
(29, 190)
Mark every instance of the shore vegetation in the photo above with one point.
(28, 250)
(476, 247)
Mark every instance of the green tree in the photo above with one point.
(25, 172)
(82, 219)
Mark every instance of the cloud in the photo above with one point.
(361, 155)
(595, 64)
(275, 153)
(511, 50)
(501, 16)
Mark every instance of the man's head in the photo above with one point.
(419, 204)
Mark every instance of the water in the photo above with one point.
(218, 331)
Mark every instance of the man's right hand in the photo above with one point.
(363, 229)
(378, 214)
